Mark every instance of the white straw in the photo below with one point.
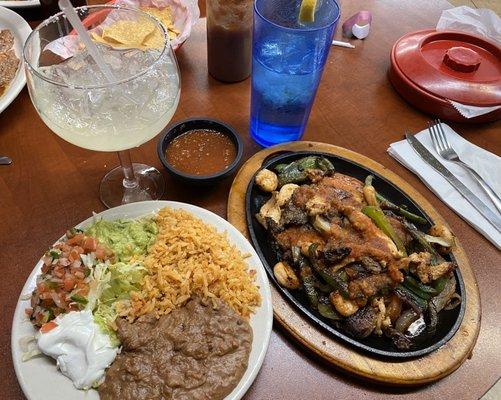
(74, 19)
(342, 44)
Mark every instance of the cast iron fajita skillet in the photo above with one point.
(449, 320)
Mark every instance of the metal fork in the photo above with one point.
(445, 150)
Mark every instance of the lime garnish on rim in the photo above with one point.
(307, 11)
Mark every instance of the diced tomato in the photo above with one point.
(83, 289)
(79, 275)
(68, 283)
(63, 277)
(74, 255)
(100, 253)
(58, 272)
(65, 248)
(89, 244)
(63, 299)
(48, 326)
(76, 240)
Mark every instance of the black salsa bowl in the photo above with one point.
(449, 320)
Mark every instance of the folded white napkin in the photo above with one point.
(487, 165)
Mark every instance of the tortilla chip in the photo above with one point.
(129, 33)
(155, 40)
(164, 15)
(141, 34)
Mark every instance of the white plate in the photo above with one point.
(39, 378)
(19, 3)
(21, 30)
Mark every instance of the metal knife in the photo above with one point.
(492, 218)
(5, 160)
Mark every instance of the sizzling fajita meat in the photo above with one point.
(300, 236)
(369, 286)
(357, 257)
(339, 198)
(340, 188)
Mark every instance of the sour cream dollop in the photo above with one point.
(82, 352)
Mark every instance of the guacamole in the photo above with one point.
(127, 238)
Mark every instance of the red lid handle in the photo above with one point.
(462, 59)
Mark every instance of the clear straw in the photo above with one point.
(74, 19)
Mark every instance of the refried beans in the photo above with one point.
(195, 352)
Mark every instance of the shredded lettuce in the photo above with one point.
(28, 345)
(100, 277)
(111, 286)
(104, 317)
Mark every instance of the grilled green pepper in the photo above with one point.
(326, 310)
(296, 171)
(308, 282)
(417, 303)
(424, 291)
(388, 205)
(419, 237)
(440, 283)
(377, 215)
(325, 165)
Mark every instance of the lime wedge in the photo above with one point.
(307, 11)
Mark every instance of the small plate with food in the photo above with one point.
(20, 3)
(148, 300)
(354, 254)
(14, 31)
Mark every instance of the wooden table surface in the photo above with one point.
(53, 185)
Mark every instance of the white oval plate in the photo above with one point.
(19, 3)
(21, 30)
(39, 378)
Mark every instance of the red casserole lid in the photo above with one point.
(429, 67)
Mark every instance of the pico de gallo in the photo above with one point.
(63, 285)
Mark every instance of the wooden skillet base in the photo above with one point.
(399, 373)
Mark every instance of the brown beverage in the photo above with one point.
(229, 39)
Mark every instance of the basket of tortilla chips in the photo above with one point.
(177, 16)
(105, 26)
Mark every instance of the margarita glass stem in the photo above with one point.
(130, 181)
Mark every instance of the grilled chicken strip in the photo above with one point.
(369, 286)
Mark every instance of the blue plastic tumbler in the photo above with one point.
(287, 62)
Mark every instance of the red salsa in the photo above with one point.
(201, 152)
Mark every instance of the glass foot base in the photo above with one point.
(113, 193)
